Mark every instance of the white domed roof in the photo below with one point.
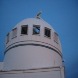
(34, 21)
(29, 49)
(30, 22)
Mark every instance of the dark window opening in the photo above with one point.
(7, 39)
(47, 32)
(24, 29)
(36, 29)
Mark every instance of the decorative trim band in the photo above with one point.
(32, 44)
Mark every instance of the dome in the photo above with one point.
(33, 21)
(32, 43)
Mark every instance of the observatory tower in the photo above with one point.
(33, 50)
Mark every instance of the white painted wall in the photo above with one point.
(28, 57)
(54, 73)
(1, 65)
(32, 57)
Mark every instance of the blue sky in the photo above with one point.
(61, 14)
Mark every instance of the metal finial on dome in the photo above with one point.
(38, 15)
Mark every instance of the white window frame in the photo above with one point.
(7, 38)
(56, 37)
(14, 33)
